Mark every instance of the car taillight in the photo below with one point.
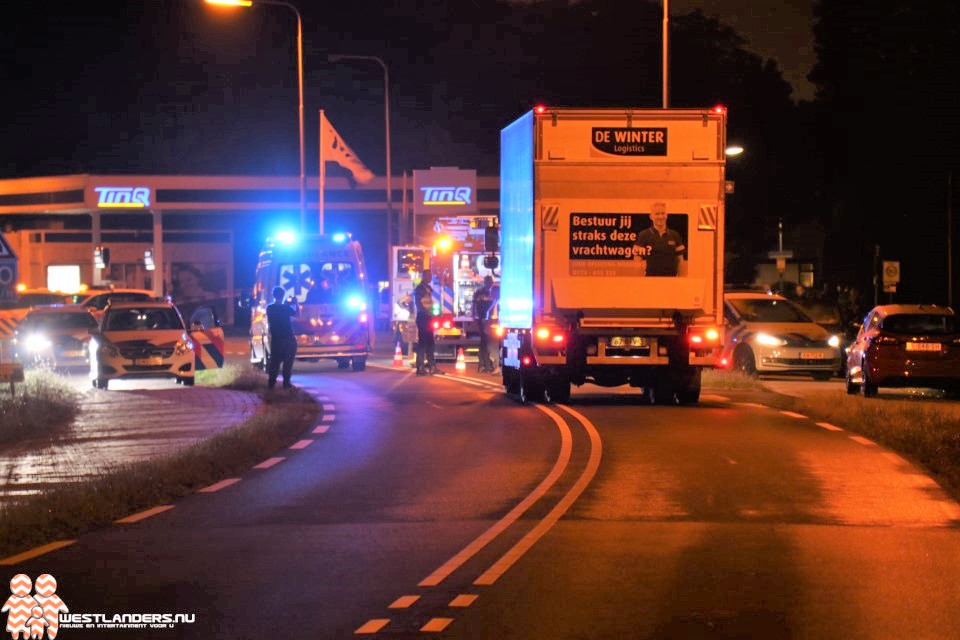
(703, 337)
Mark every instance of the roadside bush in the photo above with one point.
(233, 376)
(41, 404)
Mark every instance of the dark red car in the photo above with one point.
(905, 345)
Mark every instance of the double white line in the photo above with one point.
(508, 559)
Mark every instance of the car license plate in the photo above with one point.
(924, 346)
(74, 354)
(149, 362)
(811, 355)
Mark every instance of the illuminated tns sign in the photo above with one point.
(446, 196)
(123, 197)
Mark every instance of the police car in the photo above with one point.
(766, 334)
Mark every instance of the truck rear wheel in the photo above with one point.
(359, 364)
(689, 392)
(557, 390)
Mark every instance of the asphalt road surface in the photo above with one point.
(437, 506)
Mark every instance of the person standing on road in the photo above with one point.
(482, 303)
(283, 345)
(423, 303)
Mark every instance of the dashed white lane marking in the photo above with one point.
(323, 398)
(463, 600)
(329, 407)
(217, 486)
(372, 626)
(729, 460)
(403, 602)
(794, 414)
(143, 515)
(269, 462)
(36, 552)
(328, 418)
(828, 426)
(753, 405)
(864, 441)
(301, 444)
(436, 625)
(894, 458)
(321, 428)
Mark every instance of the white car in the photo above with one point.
(141, 340)
(767, 333)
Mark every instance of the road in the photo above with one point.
(420, 506)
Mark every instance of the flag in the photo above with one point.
(334, 149)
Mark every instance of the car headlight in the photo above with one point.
(183, 346)
(770, 341)
(834, 341)
(37, 342)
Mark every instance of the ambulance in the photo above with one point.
(327, 276)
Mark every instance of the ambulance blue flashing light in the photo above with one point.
(356, 302)
(285, 237)
(339, 237)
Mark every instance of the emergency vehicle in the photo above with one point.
(327, 276)
(578, 302)
(458, 267)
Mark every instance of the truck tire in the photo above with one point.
(359, 364)
(689, 391)
(343, 363)
(661, 394)
(557, 391)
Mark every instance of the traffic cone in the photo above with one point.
(398, 356)
(461, 363)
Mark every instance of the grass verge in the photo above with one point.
(41, 404)
(72, 510)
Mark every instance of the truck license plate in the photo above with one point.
(631, 341)
(80, 353)
(923, 346)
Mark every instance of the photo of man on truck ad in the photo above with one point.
(628, 244)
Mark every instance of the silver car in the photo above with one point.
(767, 333)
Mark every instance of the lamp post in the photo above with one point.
(303, 167)
(336, 57)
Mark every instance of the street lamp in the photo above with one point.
(336, 57)
(303, 168)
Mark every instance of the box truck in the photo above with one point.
(611, 234)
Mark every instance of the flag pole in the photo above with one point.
(323, 172)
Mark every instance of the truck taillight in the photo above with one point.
(703, 337)
(549, 334)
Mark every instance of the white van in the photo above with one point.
(328, 277)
